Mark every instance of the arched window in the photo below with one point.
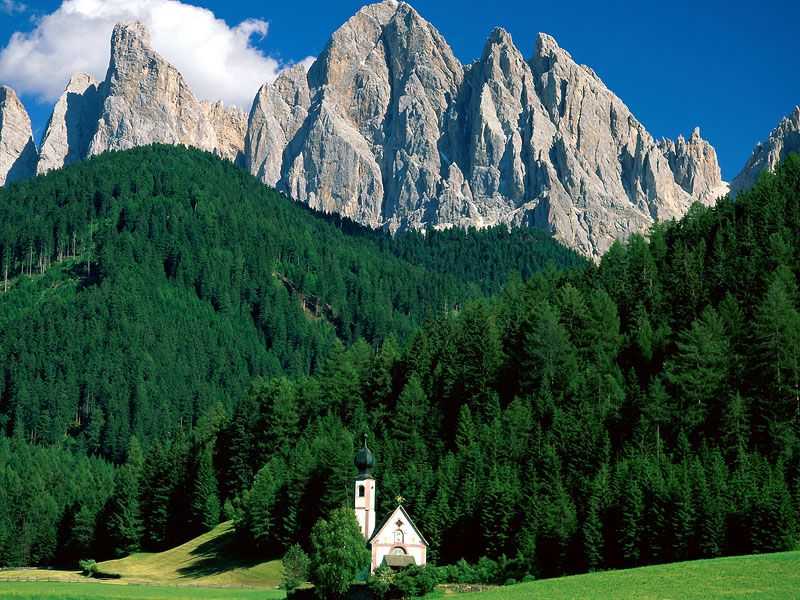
(361, 491)
(398, 537)
(398, 551)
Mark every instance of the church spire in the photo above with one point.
(365, 490)
(364, 461)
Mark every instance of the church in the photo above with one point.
(396, 541)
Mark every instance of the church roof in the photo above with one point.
(398, 561)
(380, 527)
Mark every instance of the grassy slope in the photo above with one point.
(206, 561)
(764, 577)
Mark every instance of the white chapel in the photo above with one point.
(396, 541)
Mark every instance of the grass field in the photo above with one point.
(762, 577)
(204, 568)
(104, 591)
(201, 570)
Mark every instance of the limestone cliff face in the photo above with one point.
(380, 93)
(278, 112)
(229, 127)
(143, 100)
(616, 179)
(72, 124)
(694, 164)
(782, 141)
(17, 150)
(389, 129)
(146, 100)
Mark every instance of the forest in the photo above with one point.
(199, 348)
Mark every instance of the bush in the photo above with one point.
(381, 582)
(528, 578)
(89, 567)
(510, 581)
(415, 582)
(486, 571)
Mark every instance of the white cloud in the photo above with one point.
(218, 61)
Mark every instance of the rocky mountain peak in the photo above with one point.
(782, 141)
(147, 100)
(695, 167)
(127, 37)
(72, 124)
(17, 150)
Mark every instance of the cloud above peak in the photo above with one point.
(218, 61)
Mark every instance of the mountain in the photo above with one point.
(694, 163)
(143, 100)
(17, 150)
(72, 124)
(782, 140)
(389, 129)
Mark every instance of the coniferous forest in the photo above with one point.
(180, 345)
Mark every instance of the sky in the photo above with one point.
(730, 67)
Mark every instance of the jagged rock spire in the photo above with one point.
(17, 150)
(782, 141)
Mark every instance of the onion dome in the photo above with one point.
(364, 461)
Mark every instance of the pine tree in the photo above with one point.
(699, 370)
(777, 329)
(205, 497)
(593, 536)
(632, 513)
(259, 504)
(125, 525)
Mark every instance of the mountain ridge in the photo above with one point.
(389, 129)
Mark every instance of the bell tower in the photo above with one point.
(365, 491)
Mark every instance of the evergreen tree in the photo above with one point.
(205, 498)
(125, 525)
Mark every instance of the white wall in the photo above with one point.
(388, 539)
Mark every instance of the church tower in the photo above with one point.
(365, 491)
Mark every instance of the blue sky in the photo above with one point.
(731, 68)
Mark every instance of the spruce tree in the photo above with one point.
(205, 497)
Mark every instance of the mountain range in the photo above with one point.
(389, 129)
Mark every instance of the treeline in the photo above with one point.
(487, 257)
(644, 411)
(142, 288)
(50, 503)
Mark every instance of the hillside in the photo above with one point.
(211, 559)
(765, 577)
(146, 286)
